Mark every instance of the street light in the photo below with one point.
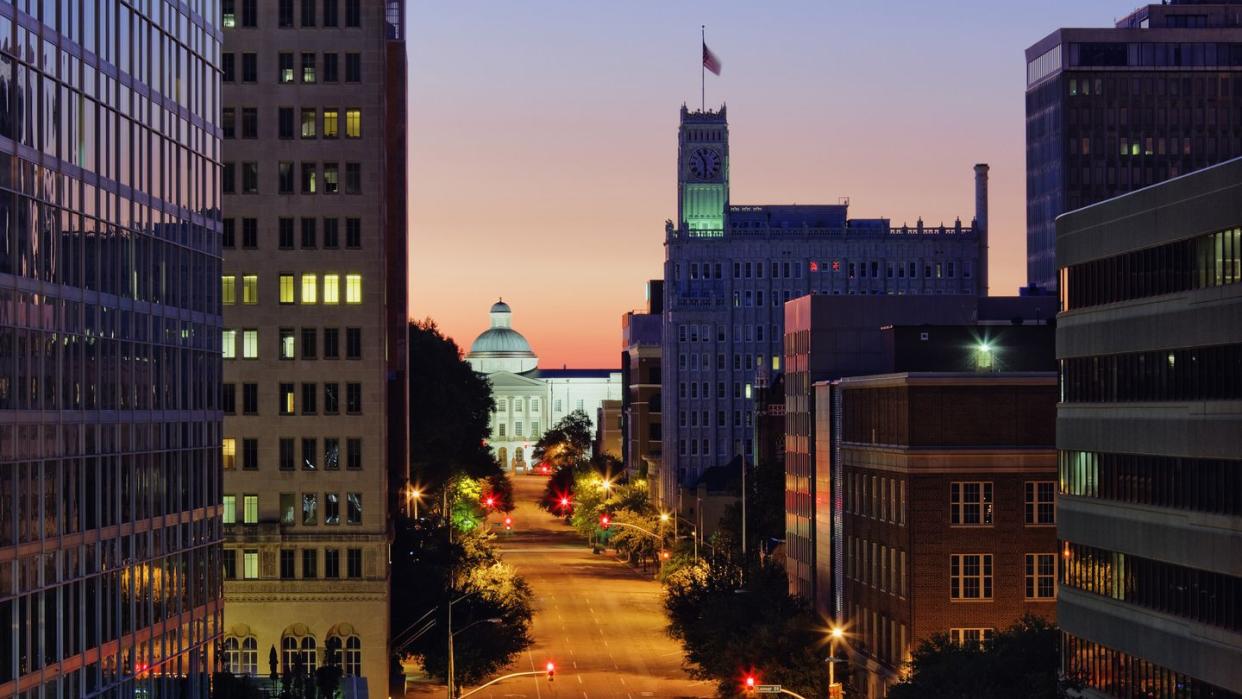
(415, 496)
(835, 634)
(475, 623)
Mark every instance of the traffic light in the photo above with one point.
(551, 670)
(564, 502)
(489, 501)
(604, 519)
(508, 522)
(750, 684)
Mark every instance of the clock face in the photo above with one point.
(705, 163)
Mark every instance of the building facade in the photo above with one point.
(1111, 110)
(528, 399)
(313, 294)
(729, 268)
(642, 438)
(109, 350)
(1148, 433)
(949, 490)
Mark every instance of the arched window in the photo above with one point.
(250, 656)
(503, 456)
(309, 654)
(351, 656)
(288, 653)
(232, 655)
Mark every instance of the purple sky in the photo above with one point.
(544, 137)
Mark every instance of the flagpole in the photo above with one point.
(702, 68)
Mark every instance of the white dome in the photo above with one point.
(500, 347)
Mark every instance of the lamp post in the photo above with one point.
(834, 635)
(415, 496)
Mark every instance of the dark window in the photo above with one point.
(285, 121)
(331, 562)
(310, 398)
(286, 564)
(250, 233)
(353, 454)
(287, 457)
(250, 398)
(250, 123)
(309, 232)
(353, 178)
(285, 13)
(228, 122)
(308, 453)
(331, 233)
(353, 343)
(331, 454)
(353, 13)
(285, 174)
(331, 67)
(330, 13)
(285, 226)
(353, 232)
(309, 337)
(250, 454)
(228, 236)
(331, 343)
(353, 398)
(353, 563)
(229, 556)
(250, 67)
(331, 398)
(228, 68)
(250, 178)
(310, 563)
(1190, 373)
(228, 178)
(309, 183)
(353, 67)
(250, 13)
(228, 398)
(308, 13)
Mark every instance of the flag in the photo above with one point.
(710, 61)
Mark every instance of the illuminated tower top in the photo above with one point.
(702, 169)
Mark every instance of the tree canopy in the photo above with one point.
(567, 442)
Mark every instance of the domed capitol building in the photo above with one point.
(529, 400)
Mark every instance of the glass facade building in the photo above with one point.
(1110, 111)
(1150, 507)
(110, 580)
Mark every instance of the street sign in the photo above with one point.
(768, 689)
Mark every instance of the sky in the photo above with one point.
(544, 138)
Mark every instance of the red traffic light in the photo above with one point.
(564, 502)
(604, 520)
(551, 670)
(489, 501)
(508, 522)
(749, 683)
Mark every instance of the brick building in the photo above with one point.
(949, 483)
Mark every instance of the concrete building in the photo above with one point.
(949, 482)
(640, 389)
(1111, 110)
(828, 337)
(109, 352)
(729, 267)
(315, 324)
(1148, 435)
(529, 400)
(608, 428)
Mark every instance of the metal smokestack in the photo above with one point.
(981, 223)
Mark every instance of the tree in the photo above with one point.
(450, 409)
(566, 443)
(1020, 661)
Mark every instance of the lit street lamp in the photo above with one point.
(415, 496)
(835, 634)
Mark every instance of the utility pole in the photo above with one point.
(448, 522)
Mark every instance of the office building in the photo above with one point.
(828, 337)
(109, 350)
(315, 327)
(641, 438)
(1148, 433)
(949, 482)
(528, 399)
(1111, 110)
(729, 268)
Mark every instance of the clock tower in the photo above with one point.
(702, 169)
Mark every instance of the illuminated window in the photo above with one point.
(308, 67)
(353, 288)
(353, 123)
(288, 350)
(776, 362)
(308, 123)
(230, 509)
(331, 288)
(286, 68)
(228, 344)
(331, 127)
(230, 14)
(228, 290)
(228, 453)
(286, 288)
(250, 509)
(250, 289)
(309, 288)
(331, 178)
(1041, 573)
(287, 403)
(250, 344)
(250, 565)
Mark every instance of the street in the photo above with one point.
(599, 620)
